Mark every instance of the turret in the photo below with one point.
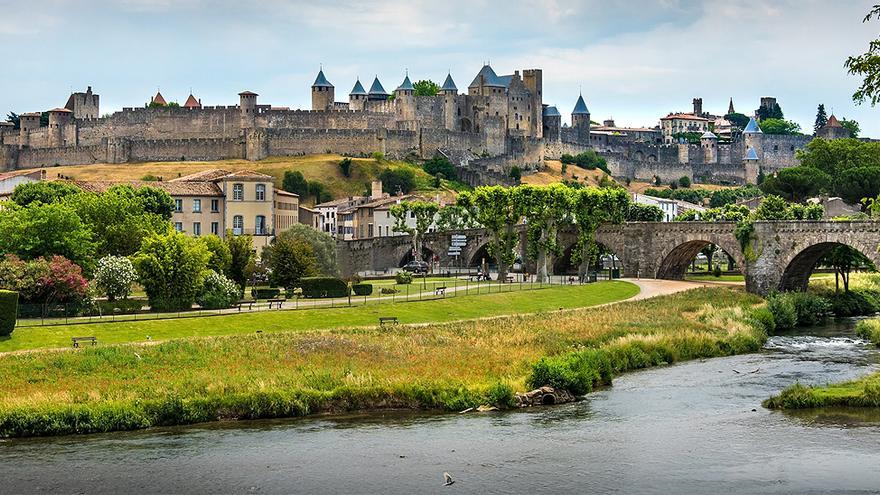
(247, 106)
(753, 138)
(377, 92)
(709, 144)
(450, 104)
(551, 123)
(698, 107)
(404, 100)
(58, 120)
(26, 123)
(322, 93)
(580, 119)
(357, 96)
(534, 81)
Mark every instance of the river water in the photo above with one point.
(696, 427)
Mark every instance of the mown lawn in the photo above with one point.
(444, 366)
(439, 310)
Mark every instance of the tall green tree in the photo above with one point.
(775, 112)
(867, 66)
(219, 255)
(423, 212)
(779, 126)
(171, 267)
(289, 261)
(854, 184)
(295, 182)
(835, 156)
(543, 208)
(241, 248)
(797, 183)
(843, 259)
(46, 192)
(323, 245)
(492, 207)
(852, 126)
(591, 207)
(398, 180)
(426, 87)
(738, 119)
(43, 230)
(821, 118)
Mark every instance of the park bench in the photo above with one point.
(77, 340)
(440, 291)
(509, 279)
(239, 304)
(477, 277)
(272, 302)
(388, 320)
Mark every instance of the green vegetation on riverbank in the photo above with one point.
(439, 366)
(454, 307)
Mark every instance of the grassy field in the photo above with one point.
(863, 392)
(323, 168)
(741, 278)
(452, 308)
(441, 366)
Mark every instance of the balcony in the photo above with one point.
(254, 232)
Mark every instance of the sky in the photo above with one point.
(635, 61)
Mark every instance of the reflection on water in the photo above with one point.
(692, 428)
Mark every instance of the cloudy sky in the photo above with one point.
(634, 61)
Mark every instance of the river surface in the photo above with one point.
(696, 427)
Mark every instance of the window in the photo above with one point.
(260, 227)
(178, 205)
(215, 205)
(215, 228)
(197, 206)
(238, 225)
(238, 192)
(197, 228)
(178, 226)
(261, 192)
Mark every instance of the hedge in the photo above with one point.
(265, 293)
(362, 289)
(8, 311)
(317, 287)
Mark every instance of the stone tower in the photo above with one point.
(580, 120)
(322, 93)
(84, 105)
(450, 107)
(357, 96)
(405, 100)
(709, 144)
(753, 139)
(551, 121)
(58, 120)
(534, 81)
(27, 123)
(247, 106)
(698, 107)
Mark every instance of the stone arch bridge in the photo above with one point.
(781, 256)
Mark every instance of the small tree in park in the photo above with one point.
(171, 267)
(241, 248)
(290, 260)
(423, 212)
(543, 208)
(114, 276)
(492, 207)
(591, 207)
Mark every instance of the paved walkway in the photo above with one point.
(651, 287)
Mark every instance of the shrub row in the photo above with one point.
(8, 311)
(362, 289)
(263, 293)
(316, 287)
(790, 309)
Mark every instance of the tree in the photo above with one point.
(797, 183)
(156, 201)
(294, 182)
(843, 259)
(837, 155)
(398, 180)
(44, 230)
(15, 119)
(821, 118)
(492, 208)
(854, 184)
(774, 112)
(773, 208)
(779, 126)
(289, 261)
(867, 66)
(323, 246)
(219, 255)
(345, 167)
(440, 165)
(423, 212)
(591, 207)
(217, 292)
(46, 192)
(543, 208)
(737, 119)
(426, 87)
(171, 268)
(114, 276)
(454, 217)
(241, 247)
(637, 212)
(684, 181)
(515, 173)
(319, 191)
(852, 126)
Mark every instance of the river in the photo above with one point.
(695, 427)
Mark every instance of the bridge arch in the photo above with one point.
(679, 253)
(799, 263)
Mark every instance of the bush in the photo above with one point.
(171, 268)
(869, 330)
(716, 271)
(811, 309)
(500, 395)
(218, 292)
(345, 167)
(263, 293)
(783, 311)
(362, 289)
(123, 306)
(398, 180)
(114, 276)
(403, 277)
(318, 287)
(44, 281)
(8, 311)
(684, 181)
(440, 165)
(515, 173)
(764, 318)
(388, 290)
(855, 302)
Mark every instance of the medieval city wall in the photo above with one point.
(200, 149)
(309, 119)
(163, 123)
(67, 155)
(779, 151)
(434, 138)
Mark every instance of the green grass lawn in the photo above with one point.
(740, 278)
(439, 310)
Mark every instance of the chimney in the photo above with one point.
(376, 189)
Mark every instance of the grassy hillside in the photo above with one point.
(323, 168)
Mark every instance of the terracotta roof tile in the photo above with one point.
(192, 102)
(683, 116)
(159, 99)
(172, 188)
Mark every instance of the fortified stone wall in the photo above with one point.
(8, 157)
(68, 155)
(435, 138)
(307, 119)
(779, 151)
(163, 123)
(185, 150)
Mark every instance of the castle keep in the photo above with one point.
(498, 123)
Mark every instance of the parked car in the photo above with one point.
(416, 267)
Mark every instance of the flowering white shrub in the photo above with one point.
(114, 276)
(217, 292)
